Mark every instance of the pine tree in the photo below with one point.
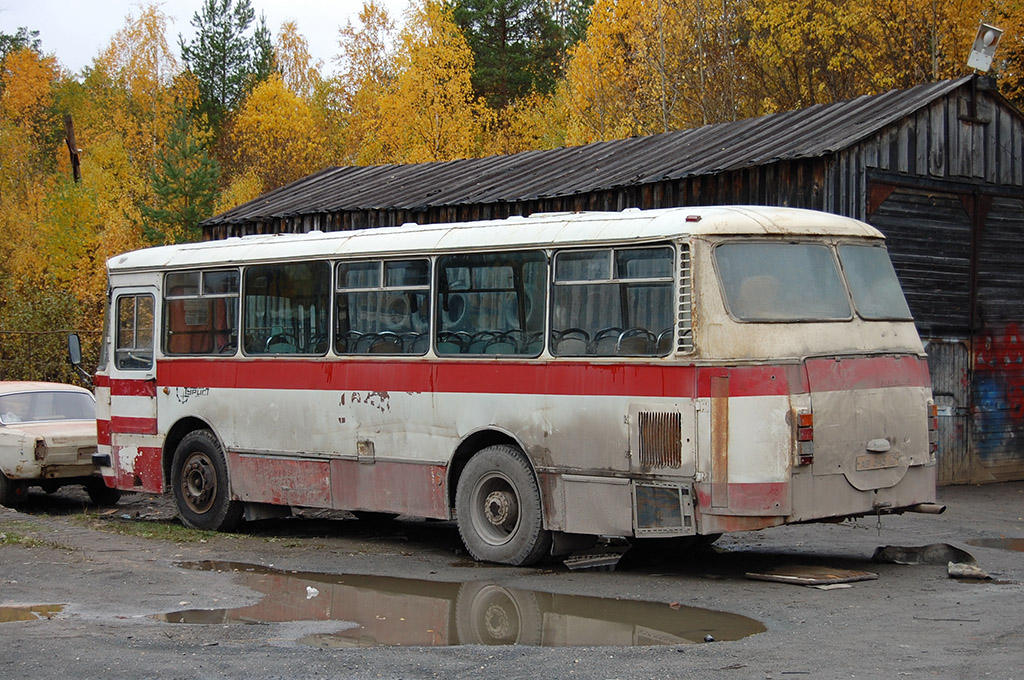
(519, 46)
(185, 185)
(227, 63)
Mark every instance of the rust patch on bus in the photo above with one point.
(283, 481)
(720, 441)
(403, 488)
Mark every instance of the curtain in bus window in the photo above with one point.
(201, 312)
(770, 281)
(285, 308)
(491, 303)
(383, 307)
(613, 302)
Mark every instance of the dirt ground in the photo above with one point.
(323, 595)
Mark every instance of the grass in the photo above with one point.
(19, 533)
(161, 531)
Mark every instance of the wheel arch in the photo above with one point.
(174, 437)
(475, 442)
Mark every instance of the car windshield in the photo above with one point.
(29, 407)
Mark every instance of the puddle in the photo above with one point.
(30, 613)
(390, 611)
(1015, 544)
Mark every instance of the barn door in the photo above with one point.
(949, 365)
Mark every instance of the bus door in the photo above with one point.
(135, 447)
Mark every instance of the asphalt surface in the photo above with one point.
(324, 595)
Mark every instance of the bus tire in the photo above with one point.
(489, 614)
(199, 477)
(498, 506)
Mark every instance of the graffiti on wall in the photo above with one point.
(998, 399)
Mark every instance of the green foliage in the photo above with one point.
(9, 42)
(227, 62)
(515, 46)
(184, 184)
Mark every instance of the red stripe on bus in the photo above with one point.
(126, 387)
(125, 425)
(862, 374)
(102, 432)
(551, 379)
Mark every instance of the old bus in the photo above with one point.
(663, 373)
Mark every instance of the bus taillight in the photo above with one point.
(805, 437)
(933, 429)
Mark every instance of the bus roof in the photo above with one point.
(539, 230)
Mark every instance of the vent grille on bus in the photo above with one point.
(660, 439)
(685, 320)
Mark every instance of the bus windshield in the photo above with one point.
(781, 282)
(873, 283)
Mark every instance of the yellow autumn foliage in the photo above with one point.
(276, 136)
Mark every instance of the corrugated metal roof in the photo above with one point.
(532, 175)
(541, 230)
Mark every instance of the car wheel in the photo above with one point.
(199, 477)
(499, 511)
(101, 494)
(12, 492)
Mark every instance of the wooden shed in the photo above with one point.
(939, 168)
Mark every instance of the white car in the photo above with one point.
(47, 439)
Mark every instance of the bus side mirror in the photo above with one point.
(75, 357)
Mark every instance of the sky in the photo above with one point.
(75, 31)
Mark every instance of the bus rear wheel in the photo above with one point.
(497, 502)
(199, 477)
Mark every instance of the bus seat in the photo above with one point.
(634, 342)
(279, 342)
(604, 342)
(570, 342)
(386, 342)
(664, 345)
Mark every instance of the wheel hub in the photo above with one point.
(498, 507)
(196, 484)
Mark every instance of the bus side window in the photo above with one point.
(133, 347)
(285, 308)
(201, 312)
(491, 303)
(613, 302)
(382, 307)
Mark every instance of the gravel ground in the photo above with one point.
(325, 595)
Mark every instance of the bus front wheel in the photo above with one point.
(498, 506)
(199, 477)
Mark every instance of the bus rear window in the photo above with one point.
(873, 283)
(781, 282)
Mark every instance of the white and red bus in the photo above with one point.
(663, 373)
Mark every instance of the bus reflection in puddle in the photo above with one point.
(390, 611)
